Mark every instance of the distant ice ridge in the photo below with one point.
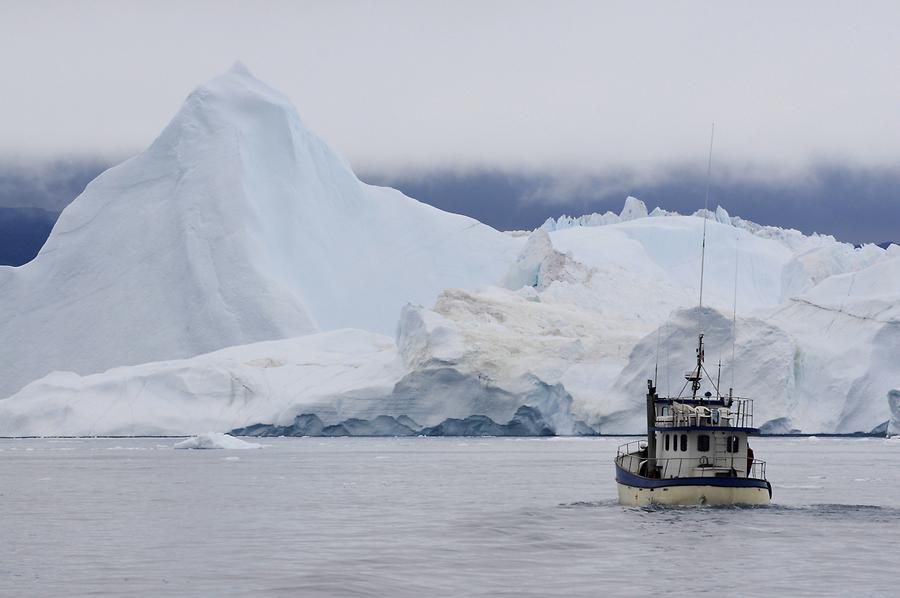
(816, 256)
(635, 208)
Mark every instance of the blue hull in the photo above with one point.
(630, 479)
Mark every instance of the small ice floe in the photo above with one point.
(215, 440)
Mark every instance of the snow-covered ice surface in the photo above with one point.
(215, 440)
(263, 382)
(211, 282)
(432, 517)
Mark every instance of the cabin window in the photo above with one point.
(733, 444)
(703, 443)
(667, 442)
(684, 442)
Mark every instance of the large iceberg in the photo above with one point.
(238, 274)
(236, 225)
(599, 311)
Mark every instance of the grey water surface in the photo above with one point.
(431, 517)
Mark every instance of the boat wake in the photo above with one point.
(589, 504)
(826, 510)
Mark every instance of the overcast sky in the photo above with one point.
(585, 90)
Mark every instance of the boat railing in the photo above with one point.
(691, 467)
(630, 448)
(739, 414)
(757, 470)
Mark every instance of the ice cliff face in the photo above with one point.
(236, 225)
(539, 264)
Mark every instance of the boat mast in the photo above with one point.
(695, 378)
(719, 378)
(651, 471)
(696, 375)
(706, 211)
(734, 316)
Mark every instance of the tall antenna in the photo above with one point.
(656, 368)
(668, 388)
(734, 310)
(712, 134)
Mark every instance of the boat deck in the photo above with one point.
(632, 458)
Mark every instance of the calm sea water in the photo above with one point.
(431, 517)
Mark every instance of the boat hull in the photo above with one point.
(691, 495)
(639, 491)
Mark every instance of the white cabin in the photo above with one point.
(703, 438)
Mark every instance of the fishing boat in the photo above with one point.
(696, 451)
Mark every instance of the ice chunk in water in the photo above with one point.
(215, 440)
